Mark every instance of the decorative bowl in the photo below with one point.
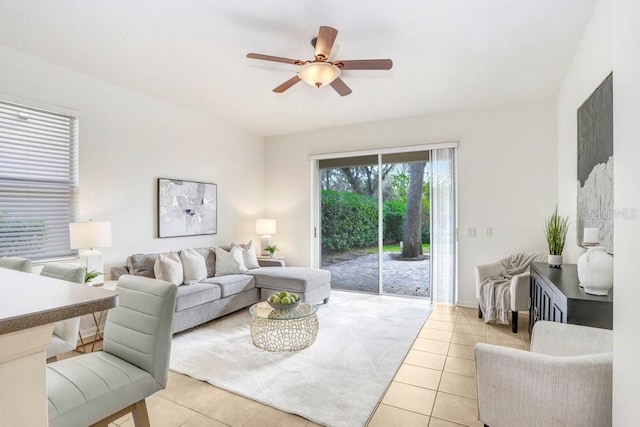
(283, 307)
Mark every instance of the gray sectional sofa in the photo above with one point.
(214, 297)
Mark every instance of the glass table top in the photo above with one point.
(262, 310)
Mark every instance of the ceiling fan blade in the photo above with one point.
(274, 59)
(341, 87)
(286, 85)
(365, 64)
(324, 42)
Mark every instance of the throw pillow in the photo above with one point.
(229, 262)
(169, 268)
(194, 266)
(249, 255)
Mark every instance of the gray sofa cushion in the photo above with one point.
(196, 294)
(233, 283)
(210, 259)
(142, 265)
(294, 279)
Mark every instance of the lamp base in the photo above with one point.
(91, 260)
(264, 242)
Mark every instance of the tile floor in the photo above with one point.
(435, 385)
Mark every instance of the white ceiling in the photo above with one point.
(447, 54)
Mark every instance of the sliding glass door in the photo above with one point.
(375, 227)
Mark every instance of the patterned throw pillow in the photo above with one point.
(169, 268)
(229, 262)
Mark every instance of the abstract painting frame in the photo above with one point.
(187, 208)
(595, 165)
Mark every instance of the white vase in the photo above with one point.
(554, 260)
(273, 255)
(595, 271)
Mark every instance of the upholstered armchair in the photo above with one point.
(518, 288)
(65, 332)
(98, 388)
(565, 380)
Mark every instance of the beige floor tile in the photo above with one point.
(467, 339)
(424, 359)
(507, 343)
(469, 311)
(434, 334)
(431, 346)
(387, 415)
(479, 330)
(439, 325)
(437, 422)
(165, 413)
(469, 320)
(459, 366)
(456, 409)
(459, 385)
(202, 421)
(233, 410)
(418, 376)
(443, 317)
(409, 397)
(271, 417)
(193, 394)
(462, 351)
(312, 424)
(445, 308)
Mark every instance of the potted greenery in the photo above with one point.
(555, 231)
(90, 275)
(272, 249)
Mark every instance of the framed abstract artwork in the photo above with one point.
(186, 208)
(595, 165)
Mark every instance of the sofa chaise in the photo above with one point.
(217, 296)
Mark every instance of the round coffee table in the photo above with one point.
(283, 330)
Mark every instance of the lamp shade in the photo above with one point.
(319, 73)
(90, 234)
(265, 226)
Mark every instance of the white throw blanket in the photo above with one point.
(495, 292)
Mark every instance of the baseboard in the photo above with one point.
(469, 304)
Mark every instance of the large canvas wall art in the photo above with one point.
(595, 165)
(186, 208)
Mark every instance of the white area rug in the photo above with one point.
(337, 381)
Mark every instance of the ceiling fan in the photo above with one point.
(320, 71)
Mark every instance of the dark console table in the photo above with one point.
(556, 297)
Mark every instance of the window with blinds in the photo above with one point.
(38, 181)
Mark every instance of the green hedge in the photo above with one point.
(350, 221)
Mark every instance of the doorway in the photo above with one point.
(375, 228)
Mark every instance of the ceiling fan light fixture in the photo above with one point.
(318, 74)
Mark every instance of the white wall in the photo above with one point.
(128, 140)
(507, 178)
(626, 114)
(591, 64)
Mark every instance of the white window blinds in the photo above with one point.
(38, 181)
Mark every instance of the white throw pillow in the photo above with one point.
(169, 268)
(229, 262)
(249, 255)
(195, 269)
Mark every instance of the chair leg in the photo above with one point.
(326, 300)
(514, 321)
(479, 312)
(140, 414)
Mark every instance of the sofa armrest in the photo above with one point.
(517, 387)
(270, 262)
(562, 339)
(520, 291)
(487, 271)
(116, 272)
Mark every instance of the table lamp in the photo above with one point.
(87, 236)
(266, 227)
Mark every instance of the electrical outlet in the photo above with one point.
(471, 232)
(489, 232)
